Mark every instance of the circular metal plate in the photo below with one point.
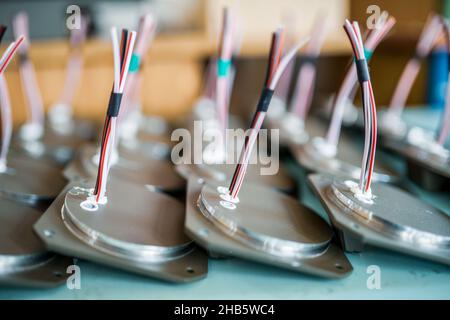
(145, 150)
(20, 248)
(291, 128)
(347, 163)
(267, 220)
(396, 214)
(154, 125)
(136, 223)
(31, 180)
(135, 168)
(224, 173)
(61, 145)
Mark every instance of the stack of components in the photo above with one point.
(27, 186)
(137, 202)
(116, 210)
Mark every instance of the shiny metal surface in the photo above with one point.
(19, 246)
(347, 163)
(266, 220)
(58, 144)
(398, 214)
(134, 168)
(268, 228)
(425, 168)
(135, 223)
(292, 130)
(224, 173)
(396, 220)
(31, 180)
(144, 149)
(24, 260)
(191, 266)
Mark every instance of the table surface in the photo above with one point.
(402, 277)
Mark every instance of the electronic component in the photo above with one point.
(376, 213)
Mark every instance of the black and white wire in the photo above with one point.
(276, 67)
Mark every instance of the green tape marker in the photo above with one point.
(368, 54)
(222, 67)
(134, 63)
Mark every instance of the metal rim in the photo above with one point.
(22, 175)
(136, 169)
(111, 245)
(338, 192)
(334, 166)
(208, 203)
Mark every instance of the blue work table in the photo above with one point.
(402, 277)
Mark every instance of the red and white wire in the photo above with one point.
(5, 102)
(222, 81)
(145, 36)
(351, 82)
(370, 117)
(427, 38)
(75, 63)
(121, 65)
(304, 89)
(28, 74)
(276, 67)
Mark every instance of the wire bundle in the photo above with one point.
(282, 90)
(429, 34)
(276, 67)
(370, 115)
(307, 74)
(5, 103)
(28, 77)
(223, 72)
(75, 63)
(374, 37)
(145, 35)
(445, 127)
(122, 58)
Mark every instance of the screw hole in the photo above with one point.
(49, 233)
(203, 232)
(338, 266)
(190, 270)
(57, 274)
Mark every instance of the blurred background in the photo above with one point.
(187, 37)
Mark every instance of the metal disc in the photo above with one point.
(20, 248)
(266, 219)
(76, 132)
(224, 173)
(31, 180)
(135, 223)
(154, 125)
(60, 146)
(134, 168)
(396, 214)
(347, 163)
(291, 129)
(145, 150)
